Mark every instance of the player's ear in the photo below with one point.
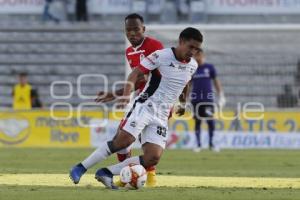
(144, 29)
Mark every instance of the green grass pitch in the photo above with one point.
(181, 163)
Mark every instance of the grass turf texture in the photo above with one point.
(229, 163)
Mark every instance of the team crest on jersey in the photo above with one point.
(155, 55)
(172, 65)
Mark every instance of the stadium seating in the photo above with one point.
(253, 65)
(50, 52)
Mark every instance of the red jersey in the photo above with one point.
(135, 55)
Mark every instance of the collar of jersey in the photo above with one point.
(182, 61)
(137, 47)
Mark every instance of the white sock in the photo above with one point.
(116, 169)
(100, 154)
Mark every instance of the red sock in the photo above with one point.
(151, 168)
(122, 157)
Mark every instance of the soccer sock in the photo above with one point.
(122, 157)
(211, 129)
(198, 132)
(101, 153)
(124, 154)
(116, 169)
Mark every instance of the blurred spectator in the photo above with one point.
(202, 99)
(287, 99)
(47, 15)
(22, 94)
(81, 10)
(35, 99)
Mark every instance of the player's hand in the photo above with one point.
(104, 97)
(222, 100)
(180, 110)
(122, 102)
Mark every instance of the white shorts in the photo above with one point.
(142, 119)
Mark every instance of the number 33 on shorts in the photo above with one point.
(161, 131)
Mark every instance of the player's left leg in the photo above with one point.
(211, 127)
(151, 170)
(154, 135)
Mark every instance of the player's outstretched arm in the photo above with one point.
(129, 86)
(105, 97)
(220, 92)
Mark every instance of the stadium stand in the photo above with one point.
(253, 64)
(49, 52)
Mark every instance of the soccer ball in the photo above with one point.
(133, 176)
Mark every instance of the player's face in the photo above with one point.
(189, 48)
(135, 30)
(22, 80)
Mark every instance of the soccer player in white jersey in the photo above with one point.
(170, 71)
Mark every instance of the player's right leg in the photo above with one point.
(124, 153)
(198, 135)
(121, 141)
(135, 122)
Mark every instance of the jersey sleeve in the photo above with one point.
(213, 74)
(149, 63)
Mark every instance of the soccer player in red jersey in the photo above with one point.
(141, 47)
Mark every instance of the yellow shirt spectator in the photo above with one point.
(22, 97)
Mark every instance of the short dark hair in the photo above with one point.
(191, 33)
(134, 16)
(22, 74)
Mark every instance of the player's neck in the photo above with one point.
(177, 55)
(139, 44)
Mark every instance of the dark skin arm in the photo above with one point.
(105, 97)
(129, 86)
